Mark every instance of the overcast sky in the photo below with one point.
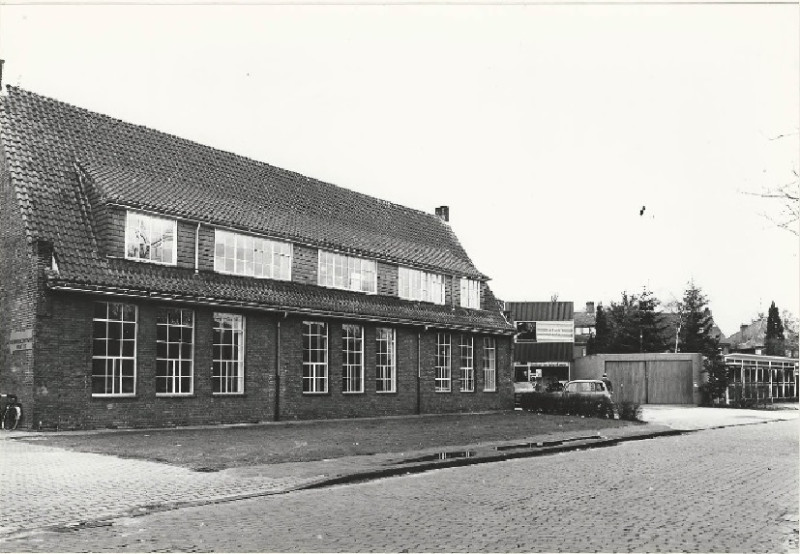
(545, 128)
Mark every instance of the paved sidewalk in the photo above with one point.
(53, 487)
(693, 418)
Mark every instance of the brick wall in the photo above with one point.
(185, 247)
(387, 279)
(19, 299)
(114, 241)
(304, 265)
(64, 374)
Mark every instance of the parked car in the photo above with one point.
(555, 386)
(595, 389)
(587, 387)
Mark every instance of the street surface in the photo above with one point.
(719, 490)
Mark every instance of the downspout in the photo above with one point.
(277, 412)
(197, 250)
(419, 372)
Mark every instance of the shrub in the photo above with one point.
(558, 404)
(629, 410)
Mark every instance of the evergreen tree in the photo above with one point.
(774, 341)
(598, 343)
(624, 323)
(695, 336)
(652, 327)
(634, 325)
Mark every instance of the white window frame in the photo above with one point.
(422, 286)
(352, 359)
(489, 364)
(175, 364)
(470, 294)
(466, 356)
(339, 271)
(132, 219)
(315, 372)
(238, 254)
(444, 353)
(385, 360)
(223, 366)
(100, 349)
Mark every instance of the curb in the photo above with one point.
(411, 467)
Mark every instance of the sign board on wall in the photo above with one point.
(555, 331)
(21, 340)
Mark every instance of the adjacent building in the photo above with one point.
(148, 280)
(543, 346)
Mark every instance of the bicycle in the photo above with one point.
(11, 412)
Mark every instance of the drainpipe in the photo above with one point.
(197, 249)
(419, 372)
(277, 412)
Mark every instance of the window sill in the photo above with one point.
(152, 262)
(385, 392)
(234, 274)
(489, 390)
(108, 395)
(314, 393)
(352, 392)
(175, 395)
(442, 391)
(368, 293)
(227, 394)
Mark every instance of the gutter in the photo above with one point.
(212, 301)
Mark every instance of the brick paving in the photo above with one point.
(53, 486)
(56, 488)
(720, 490)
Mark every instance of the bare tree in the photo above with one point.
(785, 197)
(788, 196)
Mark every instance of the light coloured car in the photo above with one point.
(587, 387)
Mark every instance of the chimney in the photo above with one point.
(590, 307)
(743, 328)
(443, 212)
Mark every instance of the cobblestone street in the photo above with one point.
(720, 490)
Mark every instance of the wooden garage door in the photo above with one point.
(628, 378)
(652, 382)
(669, 382)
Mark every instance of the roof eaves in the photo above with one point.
(56, 283)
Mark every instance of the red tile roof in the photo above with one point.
(47, 144)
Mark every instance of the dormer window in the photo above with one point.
(252, 256)
(420, 285)
(149, 238)
(347, 272)
(470, 294)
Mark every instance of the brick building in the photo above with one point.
(147, 280)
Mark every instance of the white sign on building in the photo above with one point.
(555, 331)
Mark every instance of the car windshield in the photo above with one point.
(585, 387)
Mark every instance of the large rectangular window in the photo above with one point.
(252, 256)
(150, 239)
(489, 364)
(227, 374)
(346, 272)
(315, 357)
(352, 358)
(385, 360)
(443, 357)
(420, 285)
(466, 356)
(174, 351)
(114, 349)
(470, 294)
